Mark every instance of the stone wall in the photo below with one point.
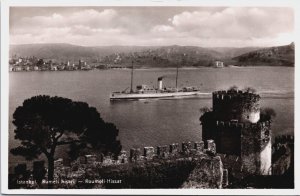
(256, 152)
(189, 165)
(172, 150)
(283, 155)
(195, 171)
(228, 137)
(208, 173)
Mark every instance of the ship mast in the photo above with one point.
(176, 76)
(131, 82)
(177, 70)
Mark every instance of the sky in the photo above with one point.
(153, 26)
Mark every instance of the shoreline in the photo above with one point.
(158, 68)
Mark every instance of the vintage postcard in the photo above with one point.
(128, 97)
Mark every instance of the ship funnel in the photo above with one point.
(159, 83)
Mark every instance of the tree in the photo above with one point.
(205, 109)
(233, 88)
(40, 62)
(266, 114)
(43, 123)
(250, 90)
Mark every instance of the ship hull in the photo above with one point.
(136, 96)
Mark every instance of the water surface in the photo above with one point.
(156, 122)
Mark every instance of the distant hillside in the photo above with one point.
(145, 56)
(149, 56)
(51, 51)
(64, 52)
(230, 52)
(167, 56)
(272, 56)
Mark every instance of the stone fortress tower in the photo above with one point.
(236, 125)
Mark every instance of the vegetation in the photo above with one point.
(246, 89)
(266, 114)
(43, 123)
(274, 56)
(204, 110)
(233, 88)
(249, 90)
(159, 56)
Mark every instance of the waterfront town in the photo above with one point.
(17, 64)
(32, 63)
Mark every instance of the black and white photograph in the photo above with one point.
(110, 97)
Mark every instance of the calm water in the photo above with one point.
(155, 122)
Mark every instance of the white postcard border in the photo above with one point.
(5, 4)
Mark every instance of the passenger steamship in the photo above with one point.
(146, 92)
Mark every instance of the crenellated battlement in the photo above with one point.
(236, 124)
(284, 139)
(172, 150)
(236, 105)
(235, 94)
(187, 149)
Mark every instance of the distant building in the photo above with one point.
(61, 67)
(79, 64)
(219, 64)
(27, 68)
(18, 68)
(53, 68)
(35, 68)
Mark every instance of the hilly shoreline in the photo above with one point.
(159, 56)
